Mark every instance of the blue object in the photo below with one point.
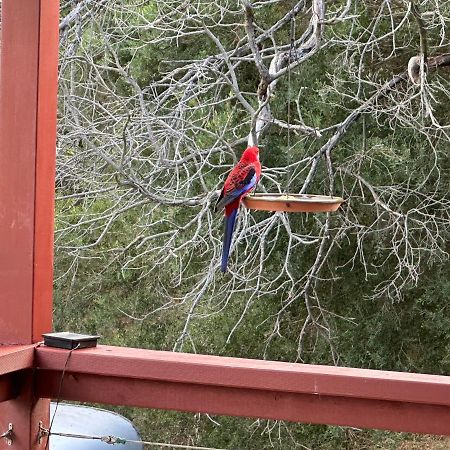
(77, 419)
(227, 237)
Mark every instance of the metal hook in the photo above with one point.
(8, 435)
(43, 432)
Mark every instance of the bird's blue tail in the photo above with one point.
(227, 236)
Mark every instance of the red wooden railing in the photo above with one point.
(30, 373)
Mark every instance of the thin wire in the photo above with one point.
(58, 399)
(107, 439)
(292, 46)
(117, 440)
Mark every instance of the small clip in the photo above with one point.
(43, 432)
(113, 440)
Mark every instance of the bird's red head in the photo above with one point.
(250, 154)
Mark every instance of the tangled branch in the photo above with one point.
(157, 101)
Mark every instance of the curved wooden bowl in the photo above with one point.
(292, 202)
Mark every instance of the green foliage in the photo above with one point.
(103, 281)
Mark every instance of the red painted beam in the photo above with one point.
(250, 373)
(250, 388)
(14, 361)
(16, 357)
(224, 400)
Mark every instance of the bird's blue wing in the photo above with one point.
(241, 187)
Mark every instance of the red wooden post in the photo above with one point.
(28, 87)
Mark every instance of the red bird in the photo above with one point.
(243, 178)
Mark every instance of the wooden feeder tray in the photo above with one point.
(292, 202)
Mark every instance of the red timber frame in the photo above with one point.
(30, 374)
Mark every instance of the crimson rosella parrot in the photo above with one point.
(244, 177)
